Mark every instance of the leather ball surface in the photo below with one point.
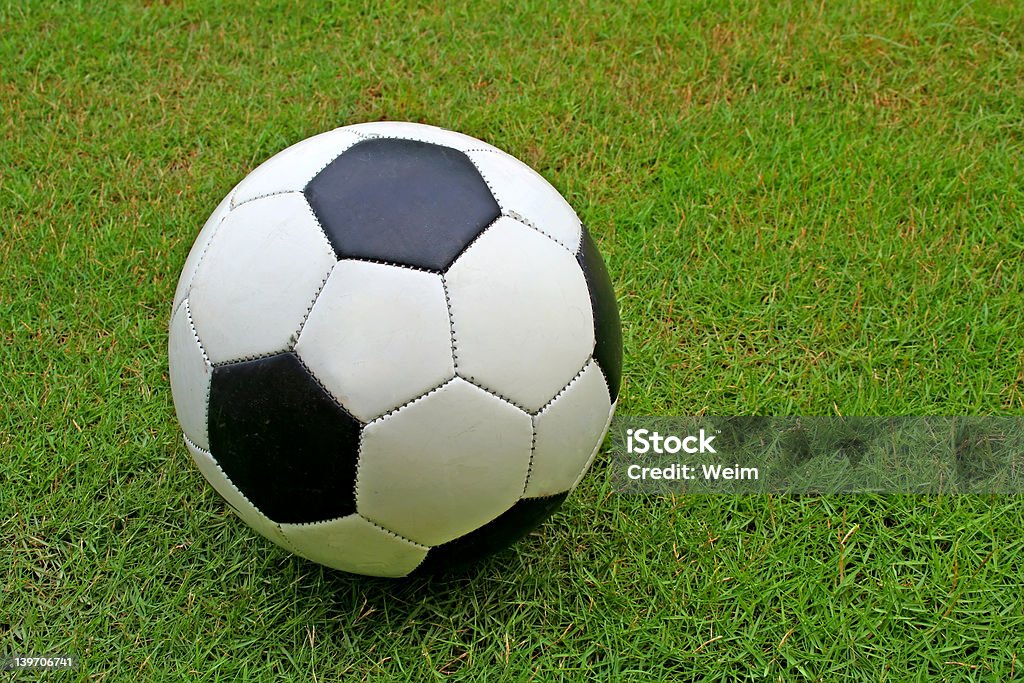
(394, 348)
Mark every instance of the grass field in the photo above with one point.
(806, 208)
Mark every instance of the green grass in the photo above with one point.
(807, 209)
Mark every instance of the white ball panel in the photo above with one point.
(378, 336)
(259, 277)
(423, 133)
(291, 169)
(190, 377)
(198, 247)
(567, 432)
(238, 502)
(353, 544)
(597, 448)
(521, 191)
(443, 465)
(522, 315)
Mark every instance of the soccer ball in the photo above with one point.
(393, 348)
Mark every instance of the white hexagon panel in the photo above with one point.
(354, 544)
(378, 336)
(258, 278)
(569, 430)
(443, 465)
(521, 314)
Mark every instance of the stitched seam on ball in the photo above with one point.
(284, 538)
(451, 325)
(604, 378)
(199, 448)
(389, 413)
(483, 177)
(470, 244)
(533, 451)
(209, 365)
(509, 213)
(309, 308)
(377, 136)
(276, 193)
(241, 495)
(575, 378)
(381, 262)
(323, 231)
(333, 159)
(177, 308)
(246, 359)
(195, 334)
(400, 537)
(302, 189)
(359, 467)
(593, 307)
(362, 138)
(544, 497)
(495, 394)
(202, 254)
(492, 150)
(328, 393)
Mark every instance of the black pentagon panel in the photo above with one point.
(402, 201)
(607, 326)
(282, 440)
(499, 533)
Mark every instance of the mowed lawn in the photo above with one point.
(807, 208)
